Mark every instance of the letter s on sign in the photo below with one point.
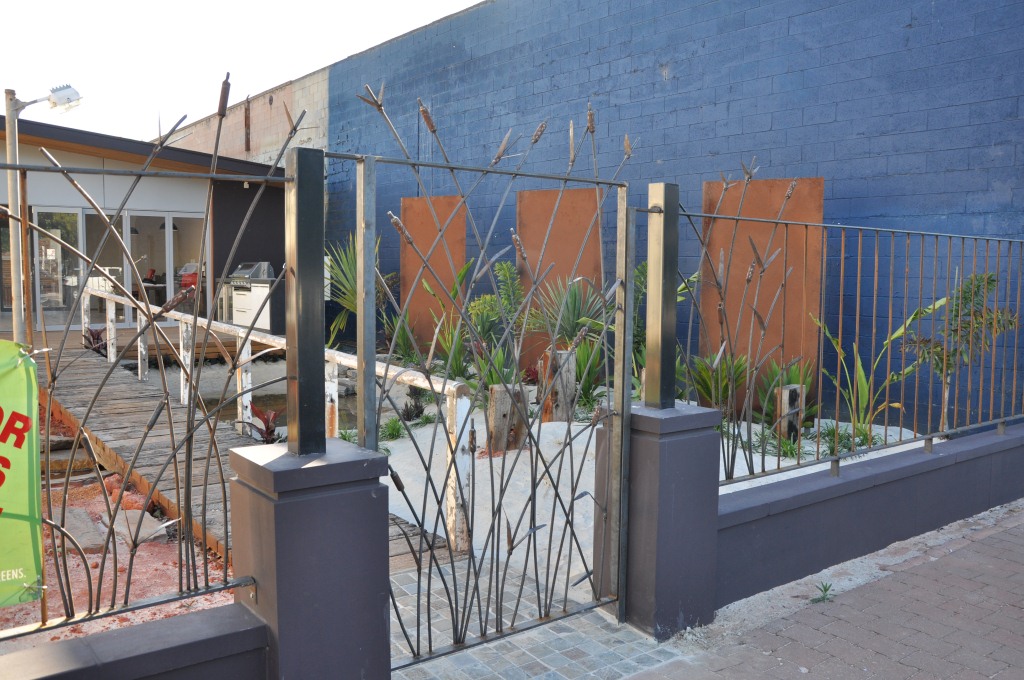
(6, 465)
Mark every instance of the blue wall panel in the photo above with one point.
(910, 110)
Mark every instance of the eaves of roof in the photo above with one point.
(56, 137)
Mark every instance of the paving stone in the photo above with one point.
(80, 525)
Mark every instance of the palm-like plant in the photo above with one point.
(341, 262)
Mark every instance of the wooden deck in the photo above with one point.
(115, 427)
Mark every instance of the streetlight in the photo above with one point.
(63, 95)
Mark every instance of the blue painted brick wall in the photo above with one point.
(910, 109)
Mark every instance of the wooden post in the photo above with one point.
(460, 462)
(142, 349)
(559, 382)
(789, 409)
(243, 383)
(111, 310)
(507, 427)
(86, 320)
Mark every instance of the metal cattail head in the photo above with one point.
(572, 144)
(225, 88)
(502, 148)
(792, 188)
(627, 147)
(427, 120)
(578, 339)
(518, 244)
(399, 227)
(748, 173)
(590, 119)
(538, 132)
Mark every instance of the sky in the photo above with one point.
(140, 66)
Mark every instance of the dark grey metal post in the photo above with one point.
(304, 300)
(309, 519)
(662, 275)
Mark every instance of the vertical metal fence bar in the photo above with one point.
(820, 368)
(1003, 363)
(903, 315)
(243, 382)
(366, 313)
(995, 321)
(888, 324)
(834, 466)
(931, 374)
(1016, 330)
(950, 283)
(625, 245)
(662, 272)
(920, 303)
(304, 300)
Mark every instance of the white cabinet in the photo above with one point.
(245, 304)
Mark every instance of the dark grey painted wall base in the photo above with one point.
(227, 642)
(780, 532)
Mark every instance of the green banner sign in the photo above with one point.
(21, 564)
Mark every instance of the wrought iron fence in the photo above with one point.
(494, 498)
(822, 343)
(164, 457)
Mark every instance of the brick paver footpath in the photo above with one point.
(946, 605)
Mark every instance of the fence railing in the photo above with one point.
(825, 342)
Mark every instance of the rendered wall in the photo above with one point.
(226, 642)
(776, 533)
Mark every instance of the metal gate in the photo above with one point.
(502, 388)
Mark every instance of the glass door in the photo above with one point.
(110, 258)
(56, 270)
(149, 252)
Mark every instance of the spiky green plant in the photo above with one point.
(567, 308)
(589, 373)
(967, 332)
(717, 380)
(391, 429)
(865, 397)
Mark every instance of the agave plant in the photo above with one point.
(567, 308)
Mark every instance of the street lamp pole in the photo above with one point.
(59, 96)
(14, 108)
